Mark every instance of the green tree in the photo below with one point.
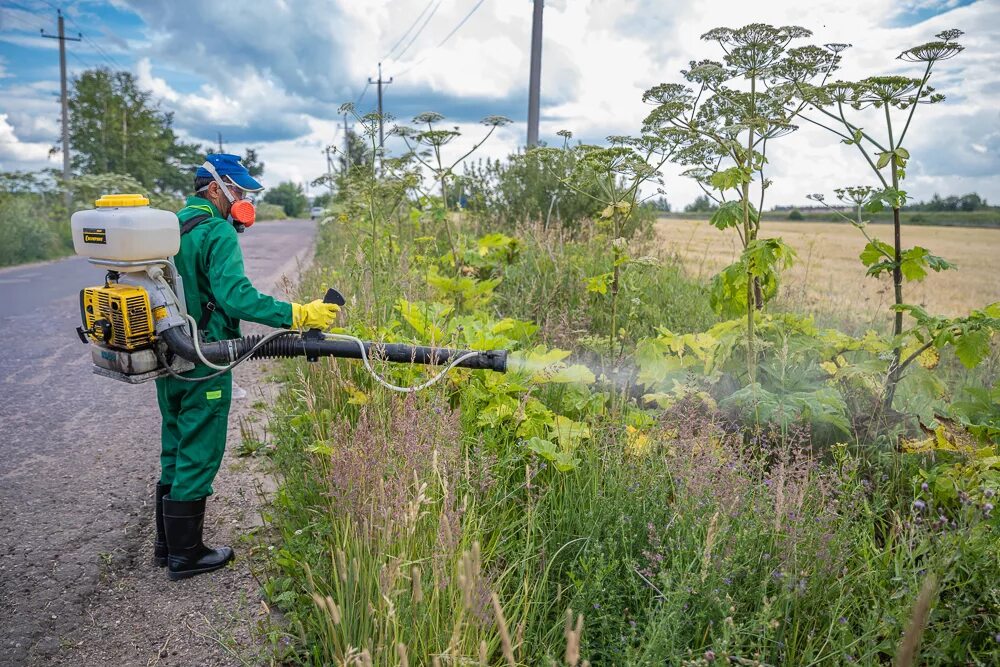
(322, 199)
(289, 196)
(252, 162)
(358, 154)
(702, 204)
(115, 127)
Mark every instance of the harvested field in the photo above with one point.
(828, 276)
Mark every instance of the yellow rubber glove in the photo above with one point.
(314, 315)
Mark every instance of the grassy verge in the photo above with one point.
(524, 519)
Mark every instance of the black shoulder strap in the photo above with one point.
(194, 222)
(210, 307)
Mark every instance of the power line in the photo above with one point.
(86, 64)
(104, 54)
(362, 95)
(460, 24)
(18, 19)
(447, 37)
(417, 34)
(412, 26)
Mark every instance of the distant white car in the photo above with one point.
(316, 212)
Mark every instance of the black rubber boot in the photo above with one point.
(188, 555)
(160, 545)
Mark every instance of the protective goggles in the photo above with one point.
(232, 191)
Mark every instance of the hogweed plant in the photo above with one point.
(426, 143)
(725, 117)
(374, 191)
(847, 109)
(613, 177)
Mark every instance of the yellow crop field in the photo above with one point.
(829, 277)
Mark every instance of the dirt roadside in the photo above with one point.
(139, 617)
(78, 460)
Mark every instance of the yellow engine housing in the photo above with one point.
(117, 316)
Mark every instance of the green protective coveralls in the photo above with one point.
(196, 414)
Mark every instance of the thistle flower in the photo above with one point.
(919, 505)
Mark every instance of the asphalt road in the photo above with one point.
(78, 453)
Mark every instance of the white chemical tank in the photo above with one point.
(124, 228)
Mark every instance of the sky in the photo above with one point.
(271, 74)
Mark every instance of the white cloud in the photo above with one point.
(272, 75)
(13, 150)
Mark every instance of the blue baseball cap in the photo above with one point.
(229, 165)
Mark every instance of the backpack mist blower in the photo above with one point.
(138, 327)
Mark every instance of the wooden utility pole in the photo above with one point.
(67, 197)
(380, 82)
(535, 78)
(220, 143)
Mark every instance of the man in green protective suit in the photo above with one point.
(195, 414)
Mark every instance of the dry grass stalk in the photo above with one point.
(706, 556)
(505, 643)
(484, 655)
(906, 655)
(326, 604)
(341, 565)
(779, 496)
(418, 589)
(573, 635)
(401, 652)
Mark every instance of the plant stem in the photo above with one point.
(747, 236)
(897, 284)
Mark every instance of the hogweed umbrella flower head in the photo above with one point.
(933, 51)
(427, 118)
(755, 48)
(896, 91)
(709, 73)
(856, 195)
(672, 100)
(496, 121)
(805, 62)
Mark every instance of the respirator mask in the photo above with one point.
(242, 212)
